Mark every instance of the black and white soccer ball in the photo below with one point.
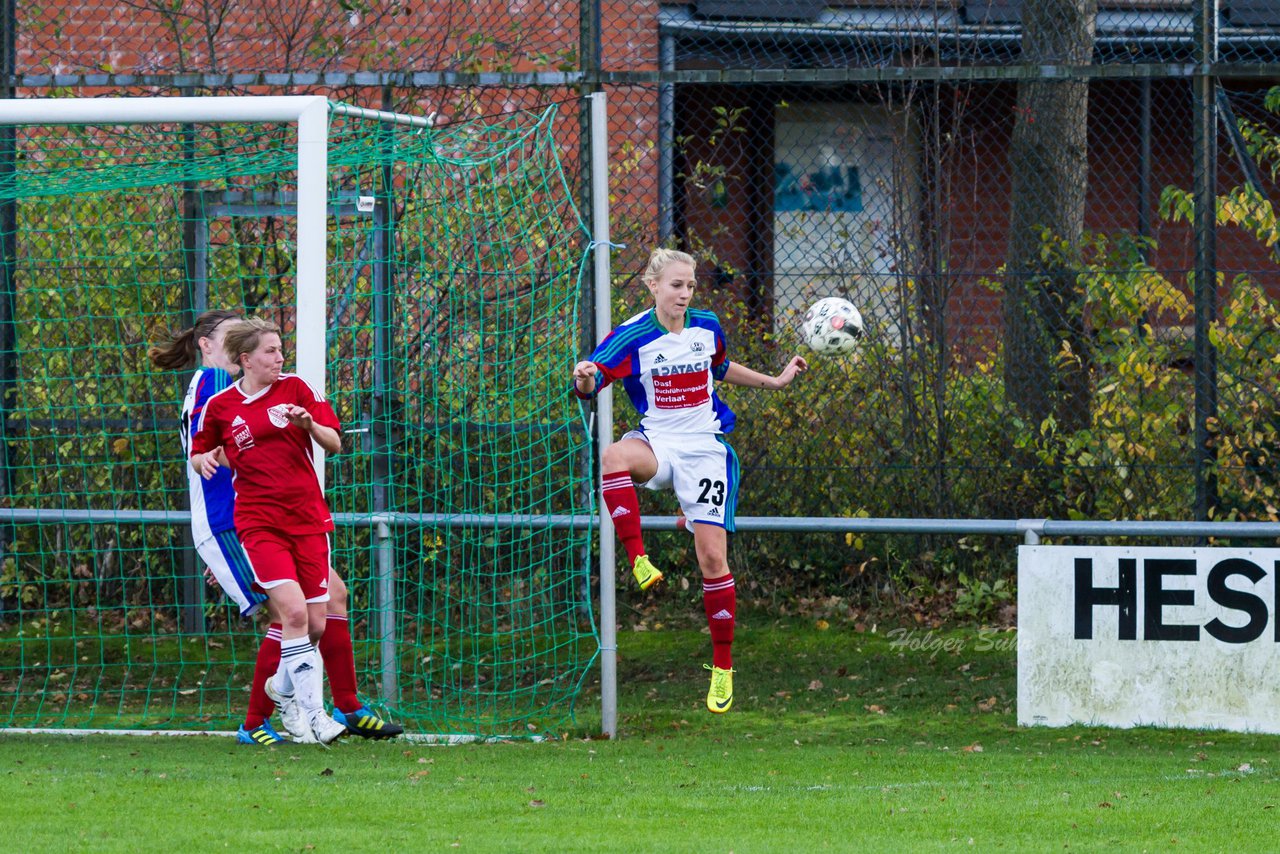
(831, 326)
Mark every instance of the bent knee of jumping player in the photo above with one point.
(631, 455)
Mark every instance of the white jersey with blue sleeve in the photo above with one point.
(213, 501)
(669, 376)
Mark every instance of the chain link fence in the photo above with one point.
(1055, 216)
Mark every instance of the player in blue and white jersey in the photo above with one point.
(669, 360)
(213, 501)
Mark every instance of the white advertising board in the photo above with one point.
(1132, 636)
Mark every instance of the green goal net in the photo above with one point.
(453, 271)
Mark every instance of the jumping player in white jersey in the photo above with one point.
(216, 540)
(669, 360)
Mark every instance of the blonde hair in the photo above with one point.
(660, 259)
(245, 336)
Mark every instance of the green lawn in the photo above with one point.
(838, 740)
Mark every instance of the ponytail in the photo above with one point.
(182, 350)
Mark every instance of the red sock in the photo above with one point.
(624, 507)
(720, 601)
(340, 662)
(260, 705)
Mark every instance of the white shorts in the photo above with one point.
(701, 469)
(226, 559)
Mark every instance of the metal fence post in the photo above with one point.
(1204, 176)
(8, 263)
(604, 409)
(385, 609)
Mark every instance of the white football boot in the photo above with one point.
(291, 714)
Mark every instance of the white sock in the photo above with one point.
(290, 650)
(305, 669)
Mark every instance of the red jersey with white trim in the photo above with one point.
(272, 466)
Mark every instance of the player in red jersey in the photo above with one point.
(262, 427)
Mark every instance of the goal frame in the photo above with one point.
(310, 116)
(310, 209)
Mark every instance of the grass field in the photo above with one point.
(838, 741)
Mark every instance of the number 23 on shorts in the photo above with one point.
(712, 491)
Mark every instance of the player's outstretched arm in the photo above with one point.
(741, 375)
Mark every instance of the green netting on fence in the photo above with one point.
(455, 258)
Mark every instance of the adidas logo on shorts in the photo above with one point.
(713, 512)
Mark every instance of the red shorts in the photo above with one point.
(276, 558)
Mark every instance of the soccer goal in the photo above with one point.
(428, 278)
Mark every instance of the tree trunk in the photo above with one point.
(1046, 346)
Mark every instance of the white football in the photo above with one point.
(831, 326)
